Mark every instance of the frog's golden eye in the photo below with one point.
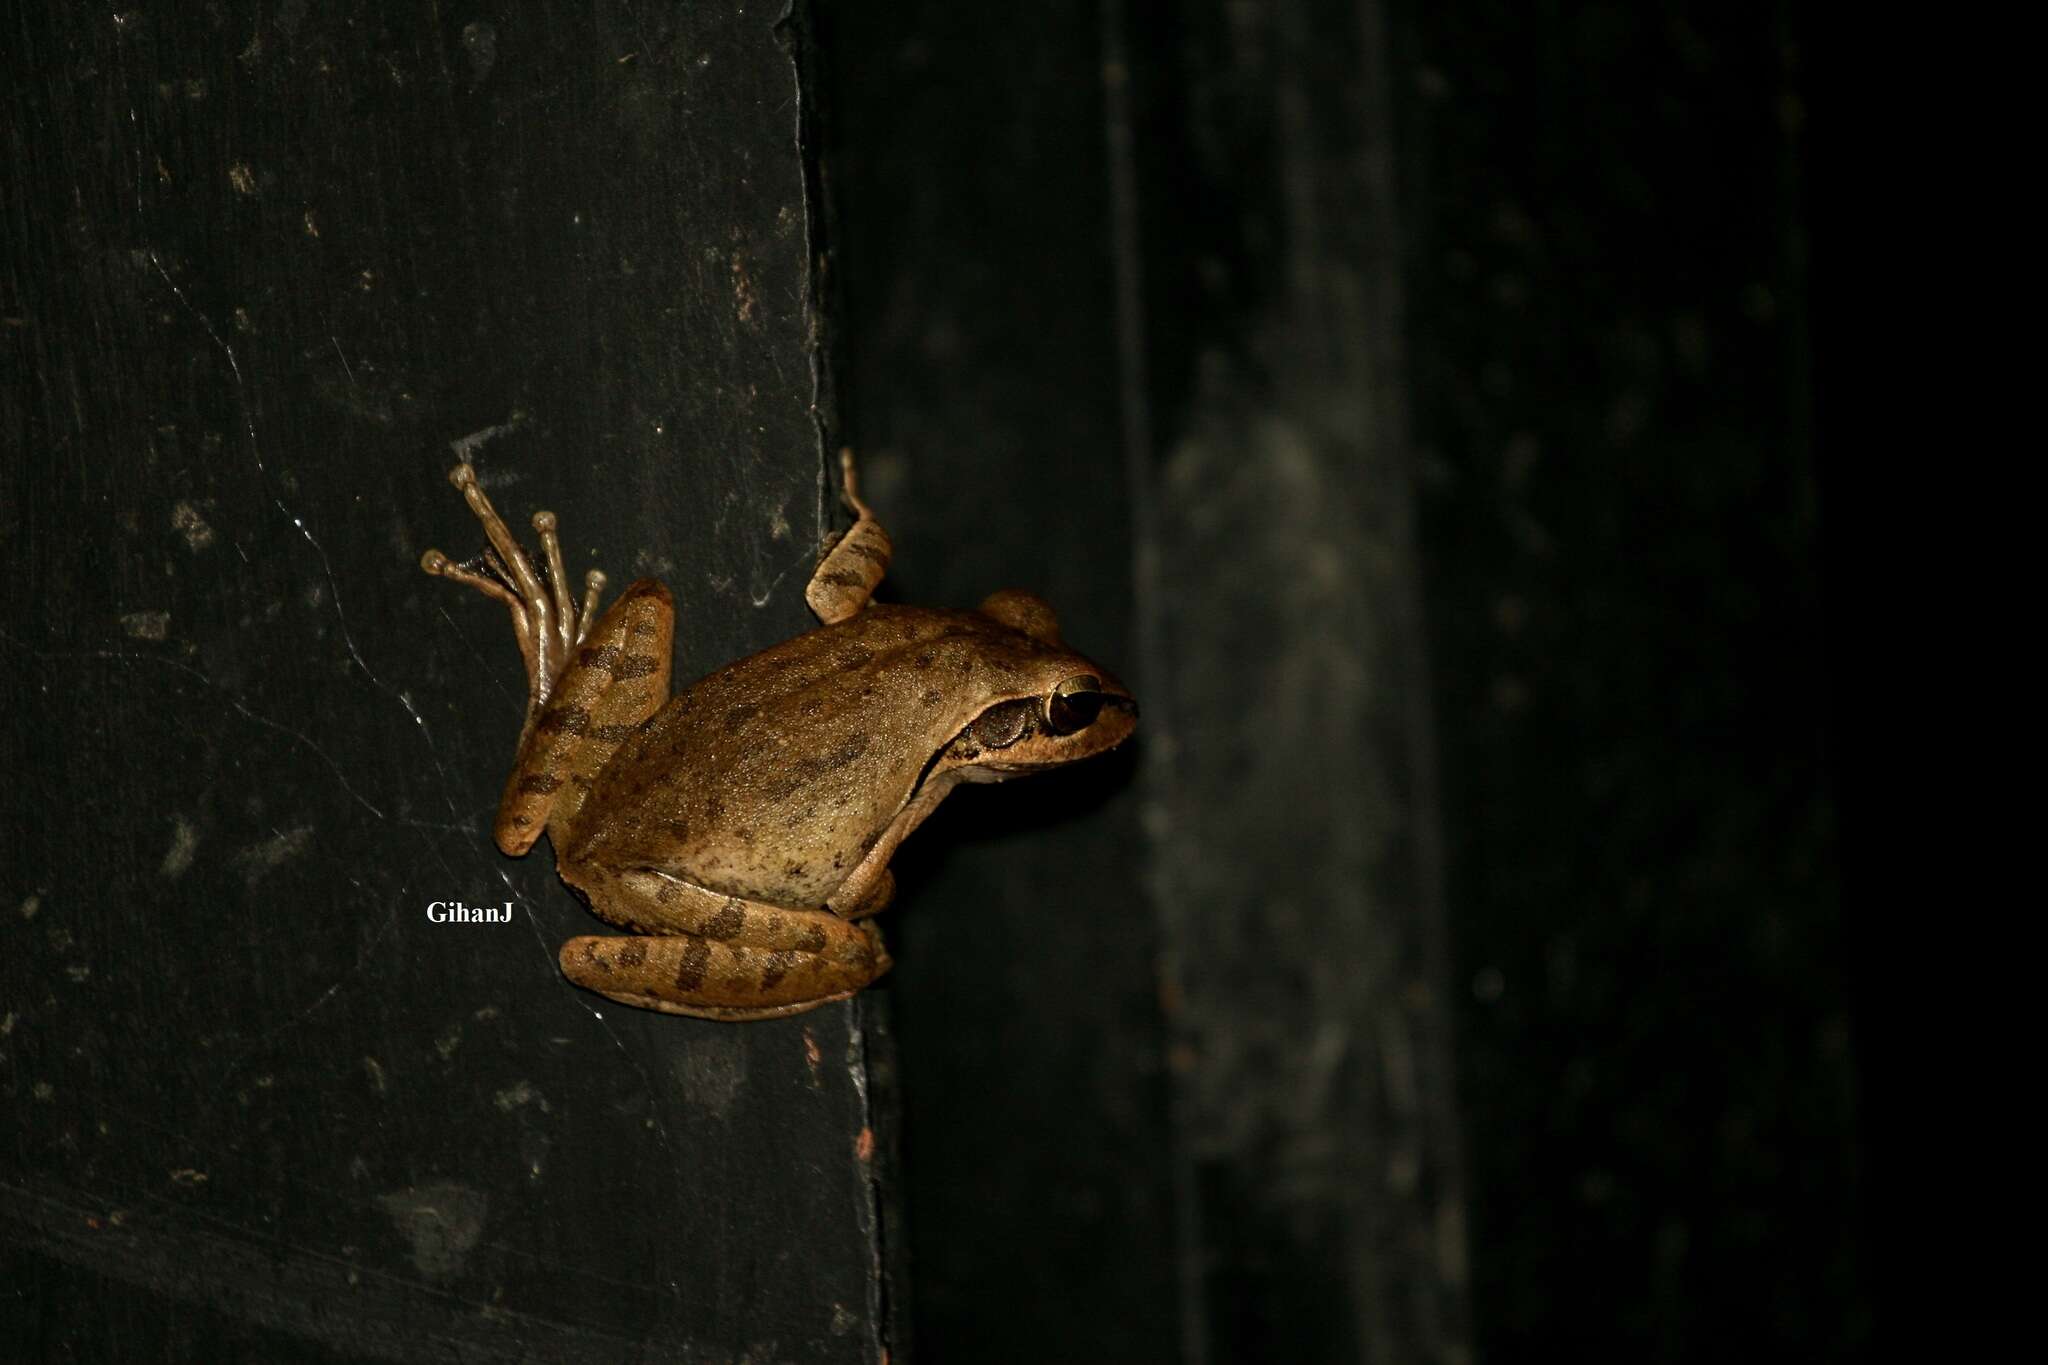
(1001, 726)
(1074, 704)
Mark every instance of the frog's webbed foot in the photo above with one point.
(851, 569)
(548, 625)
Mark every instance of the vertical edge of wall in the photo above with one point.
(1292, 800)
(965, 149)
(885, 1325)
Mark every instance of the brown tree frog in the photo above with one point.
(740, 830)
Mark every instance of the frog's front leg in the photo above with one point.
(591, 680)
(714, 956)
(851, 569)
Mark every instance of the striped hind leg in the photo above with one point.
(617, 679)
(713, 956)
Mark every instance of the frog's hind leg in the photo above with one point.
(851, 569)
(714, 956)
(617, 679)
(590, 679)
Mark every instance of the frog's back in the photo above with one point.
(773, 776)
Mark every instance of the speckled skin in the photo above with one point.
(773, 777)
(742, 829)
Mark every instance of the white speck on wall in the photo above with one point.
(184, 844)
(711, 1078)
(187, 522)
(443, 1221)
(259, 860)
(465, 447)
(147, 625)
(523, 1093)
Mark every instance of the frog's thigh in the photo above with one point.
(648, 902)
(774, 961)
(617, 679)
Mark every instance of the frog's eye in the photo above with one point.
(1074, 704)
(1001, 726)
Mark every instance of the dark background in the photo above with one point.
(1415, 404)
(1559, 257)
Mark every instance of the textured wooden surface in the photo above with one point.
(266, 271)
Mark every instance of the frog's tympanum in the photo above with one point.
(740, 831)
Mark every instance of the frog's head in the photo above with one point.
(1056, 707)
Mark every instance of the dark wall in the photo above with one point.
(1462, 389)
(981, 387)
(1612, 378)
(266, 272)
